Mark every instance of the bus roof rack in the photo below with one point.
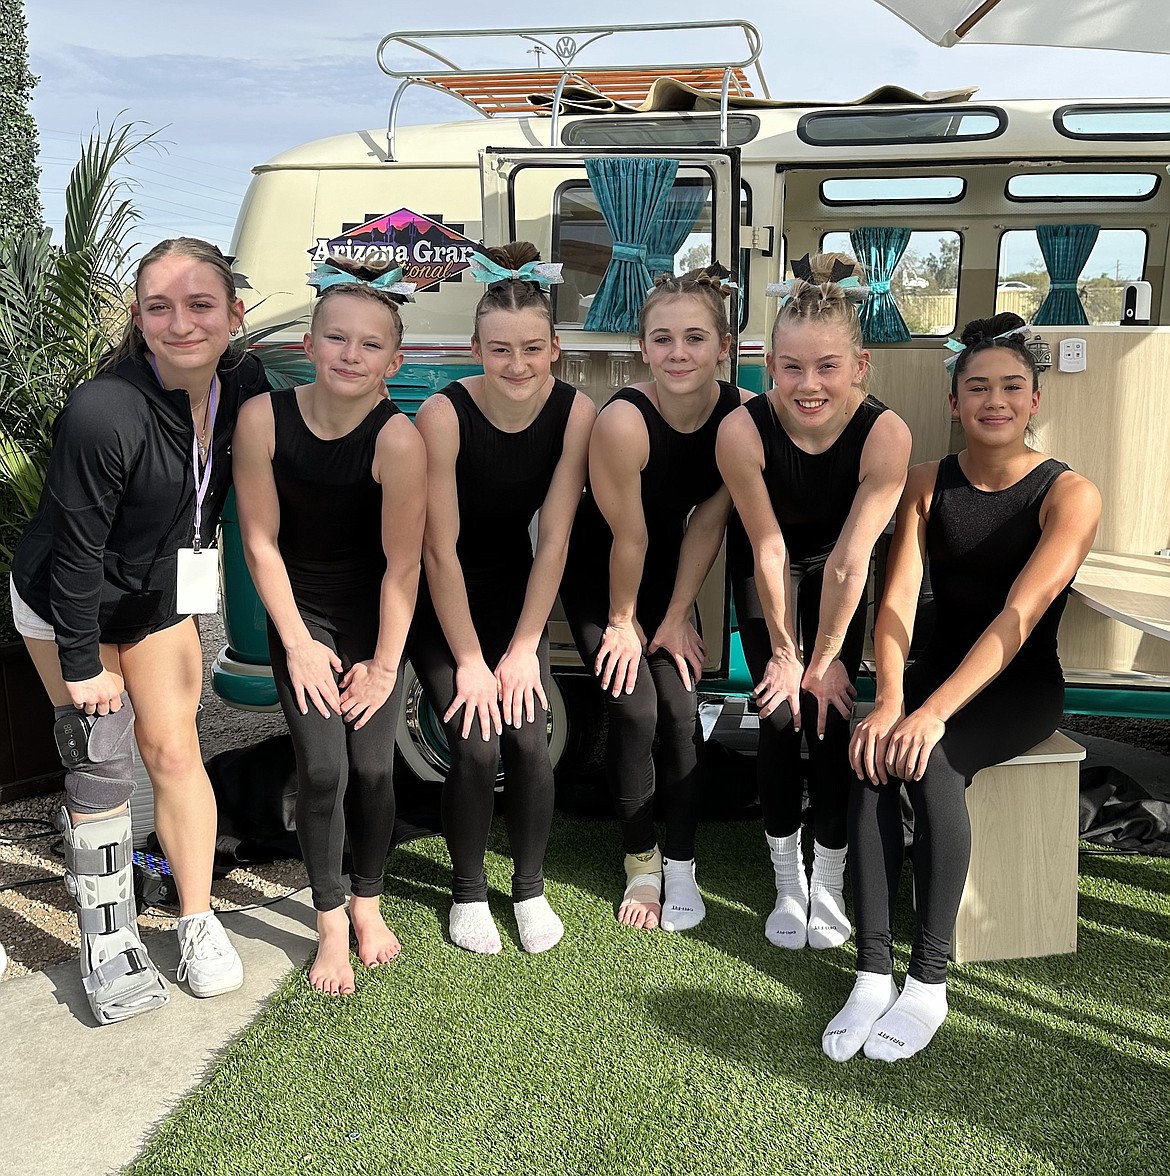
(502, 91)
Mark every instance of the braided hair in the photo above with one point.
(706, 284)
(822, 300)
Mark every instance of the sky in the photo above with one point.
(227, 86)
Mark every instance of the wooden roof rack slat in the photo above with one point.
(494, 91)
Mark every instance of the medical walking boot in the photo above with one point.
(117, 974)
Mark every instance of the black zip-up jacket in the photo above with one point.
(98, 559)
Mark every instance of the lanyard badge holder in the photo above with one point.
(197, 576)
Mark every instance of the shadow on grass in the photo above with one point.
(1081, 1106)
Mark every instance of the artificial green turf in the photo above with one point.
(637, 1053)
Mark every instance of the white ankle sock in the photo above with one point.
(873, 994)
(472, 927)
(787, 925)
(682, 904)
(828, 925)
(538, 924)
(910, 1024)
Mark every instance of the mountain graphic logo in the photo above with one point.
(428, 251)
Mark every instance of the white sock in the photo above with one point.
(538, 924)
(910, 1024)
(873, 994)
(682, 904)
(184, 919)
(828, 925)
(787, 925)
(472, 927)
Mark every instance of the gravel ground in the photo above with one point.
(37, 925)
(37, 922)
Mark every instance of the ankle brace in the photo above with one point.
(117, 974)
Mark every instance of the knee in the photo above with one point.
(168, 755)
(634, 715)
(474, 758)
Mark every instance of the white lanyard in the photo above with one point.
(201, 484)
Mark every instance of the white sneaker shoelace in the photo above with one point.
(206, 946)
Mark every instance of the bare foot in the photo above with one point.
(376, 943)
(643, 915)
(331, 972)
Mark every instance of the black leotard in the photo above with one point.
(501, 480)
(977, 543)
(811, 495)
(680, 473)
(330, 539)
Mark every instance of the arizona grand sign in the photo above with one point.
(428, 251)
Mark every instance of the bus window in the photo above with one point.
(582, 242)
(1119, 256)
(925, 282)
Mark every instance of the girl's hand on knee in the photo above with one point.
(780, 683)
(313, 670)
(871, 737)
(100, 695)
(364, 690)
(831, 688)
(477, 692)
(618, 657)
(679, 637)
(520, 690)
(911, 743)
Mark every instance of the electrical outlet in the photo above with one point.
(1072, 355)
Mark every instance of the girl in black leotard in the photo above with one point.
(815, 468)
(500, 447)
(331, 481)
(646, 534)
(1005, 529)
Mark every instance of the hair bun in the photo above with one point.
(989, 328)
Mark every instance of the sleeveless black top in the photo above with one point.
(679, 474)
(330, 534)
(977, 543)
(501, 480)
(812, 493)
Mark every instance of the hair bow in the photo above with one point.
(781, 290)
(543, 273)
(956, 348)
(324, 276)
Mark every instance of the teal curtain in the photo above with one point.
(1066, 250)
(630, 193)
(676, 218)
(879, 249)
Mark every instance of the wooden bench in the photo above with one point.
(1021, 893)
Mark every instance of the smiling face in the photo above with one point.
(681, 344)
(816, 373)
(354, 346)
(996, 397)
(517, 351)
(186, 318)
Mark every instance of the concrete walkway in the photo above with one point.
(78, 1100)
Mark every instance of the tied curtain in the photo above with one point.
(634, 196)
(1066, 250)
(879, 249)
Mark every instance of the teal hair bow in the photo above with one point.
(543, 273)
(1023, 333)
(324, 276)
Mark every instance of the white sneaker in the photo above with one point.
(208, 962)
(3, 960)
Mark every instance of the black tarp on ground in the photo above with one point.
(1125, 796)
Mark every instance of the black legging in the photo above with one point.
(779, 771)
(1004, 720)
(345, 779)
(660, 705)
(469, 791)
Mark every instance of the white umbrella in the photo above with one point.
(1142, 25)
